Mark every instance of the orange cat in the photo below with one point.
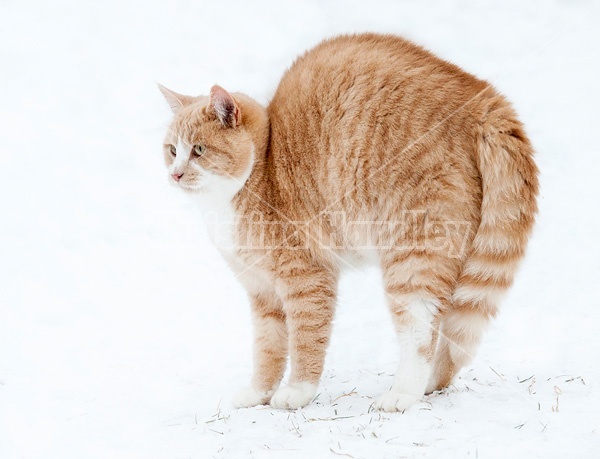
(373, 150)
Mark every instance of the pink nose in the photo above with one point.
(176, 177)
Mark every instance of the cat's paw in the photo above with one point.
(432, 386)
(294, 395)
(395, 401)
(249, 396)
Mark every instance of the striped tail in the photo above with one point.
(510, 185)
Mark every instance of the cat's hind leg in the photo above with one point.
(415, 322)
(417, 286)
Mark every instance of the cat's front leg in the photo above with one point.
(270, 351)
(308, 294)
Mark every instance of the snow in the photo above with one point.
(124, 335)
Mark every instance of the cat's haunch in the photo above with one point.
(372, 150)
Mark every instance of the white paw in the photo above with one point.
(294, 395)
(395, 401)
(249, 396)
(432, 386)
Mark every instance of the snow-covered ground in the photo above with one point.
(124, 335)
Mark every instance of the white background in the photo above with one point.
(124, 335)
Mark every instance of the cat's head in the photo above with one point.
(213, 141)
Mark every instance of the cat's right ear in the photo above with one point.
(175, 101)
(223, 106)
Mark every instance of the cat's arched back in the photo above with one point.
(371, 149)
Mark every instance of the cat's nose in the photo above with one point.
(176, 177)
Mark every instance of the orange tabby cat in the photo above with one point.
(372, 149)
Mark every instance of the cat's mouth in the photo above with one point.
(191, 188)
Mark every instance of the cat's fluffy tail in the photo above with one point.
(510, 185)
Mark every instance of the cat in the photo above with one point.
(371, 150)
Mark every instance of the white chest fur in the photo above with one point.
(220, 221)
(215, 205)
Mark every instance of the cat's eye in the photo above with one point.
(199, 150)
(173, 150)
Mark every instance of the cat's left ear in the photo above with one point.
(175, 101)
(223, 105)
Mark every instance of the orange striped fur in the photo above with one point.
(371, 150)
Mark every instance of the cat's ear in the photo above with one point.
(223, 105)
(175, 101)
